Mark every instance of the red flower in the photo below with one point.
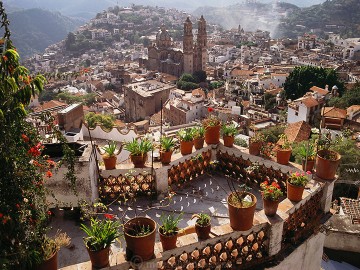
(25, 138)
(210, 109)
(5, 58)
(1, 215)
(109, 216)
(17, 206)
(49, 174)
(49, 213)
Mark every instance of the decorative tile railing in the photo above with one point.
(189, 169)
(126, 185)
(304, 221)
(237, 167)
(237, 251)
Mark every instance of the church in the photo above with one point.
(163, 57)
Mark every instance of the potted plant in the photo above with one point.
(307, 153)
(138, 151)
(271, 194)
(327, 161)
(212, 126)
(295, 185)
(202, 225)
(241, 207)
(109, 157)
(140, 235)
(50, 249)
(186, 140)
(167, 145)
(100, 235)
(283, 152)
(255, 143)
(198, 133)
(169, 230)
(229, 131)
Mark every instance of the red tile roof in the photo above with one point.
(310, 102)
(319, 90)
(298, 132)
(334, 112)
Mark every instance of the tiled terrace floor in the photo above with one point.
(206, 194)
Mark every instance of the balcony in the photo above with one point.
(271, 242)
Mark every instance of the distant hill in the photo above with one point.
(32, 30)
(338, 16)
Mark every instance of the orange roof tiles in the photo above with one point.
(334, 112)
(298, 132)
(310, 102)
(319, 90)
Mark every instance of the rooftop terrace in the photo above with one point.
(198, 187)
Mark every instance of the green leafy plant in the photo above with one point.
(284, 143)
(299, 179)
(170, 223)
(271, 191)
(241, 142)
(229, 130)
(211, 120)
(139, 230)
(186, 134)
(101, 233)
(138, 148)
(52, 245)
(198, 132)
(307, 151)
(110, 149)
(258, 137)
(202, 219)
(167, 144)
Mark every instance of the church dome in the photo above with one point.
(163, 38)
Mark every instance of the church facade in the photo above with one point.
(163, 57)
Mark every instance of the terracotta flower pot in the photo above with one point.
(270, 207)
(255, 148)
(294, 193)
(50, 264)
(138, 161)
(168, 241)
(241, 219)
(202, 231)
(326, 168)
(109, 162)
(308, 166)
(212, 135)
(283, 156)
(166, 157)
(228, 141)
(199, 143)
(186, 147)
(141, 246)
(99, 259)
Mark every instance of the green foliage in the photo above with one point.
(167, 143)
(216, 85)
(202, 219)
(273, 133)
(270, 101)
(298, 179)
(200, 76)
(240, 142)
(110, 148)
(105, 120)
(170, 223)
(349, 98)
(271, 191)
(101, 233)
(187, 82)
(302, 78)
(229, 129)
(186, 134)
(138, 147)
(198, 132)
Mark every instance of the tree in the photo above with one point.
(105, 120)
(187, 82)
(273, 133)
(349, 98)
(270, 101)
(301, 79)
(200, 76)
(70, 41)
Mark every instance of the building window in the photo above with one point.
(141, 102)
(296, 113)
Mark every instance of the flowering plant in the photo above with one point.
(299, 179)
(101, 233)
(271, 191)
(211, 120)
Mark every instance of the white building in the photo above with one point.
(303, 109)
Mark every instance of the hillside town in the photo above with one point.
(130, 88)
